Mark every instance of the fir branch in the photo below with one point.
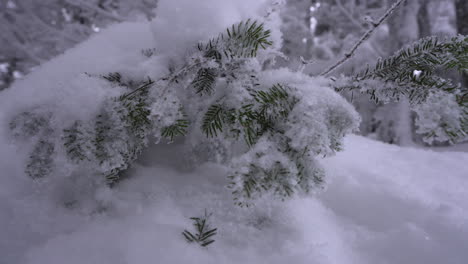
(245, 38)
(148, 52)
(242, 40)
(75, 140)
(37, 126)
(41, 162)
(275, 101)
(248, 119)
(145, 86)
(113, 77)
(397, 72)
(121, 129)
(255, 118)
(204, 234)
(166, 79)
(179, 128)
(412, 72)
(204, 81)
(276, 179)
(274, 104)
(364, 37)
(137, 115)
(213, 120)
(426, 55)
(29, 124)
(102, 135)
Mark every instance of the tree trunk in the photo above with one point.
(424, 23)
(403, 25)
(461, 7)
(296, 32)
(404, 30)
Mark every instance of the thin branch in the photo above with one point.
(366, 36)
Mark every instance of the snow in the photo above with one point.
(4, 67)
(11, 5)
(180, 24)
(417, 73)
(61, 83)
(383, 204)
(437, 116)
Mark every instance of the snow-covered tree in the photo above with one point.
(36, 31)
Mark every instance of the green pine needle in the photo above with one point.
(179, 128)
(203, 234)
(204, 81)
(213, 120)
(242, 40)
(428, 55)
(75, 142)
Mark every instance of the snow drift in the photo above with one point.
(384, 204)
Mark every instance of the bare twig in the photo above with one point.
(364, 37)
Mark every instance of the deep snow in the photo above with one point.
(383, 204)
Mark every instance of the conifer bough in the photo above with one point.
(394, 77)
(222, 93)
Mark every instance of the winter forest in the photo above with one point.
(233, 131)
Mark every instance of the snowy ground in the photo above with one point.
(383, 204)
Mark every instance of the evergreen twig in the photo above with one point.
(179, 128)
(204, 81)
(204, 234)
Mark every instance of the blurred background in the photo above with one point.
(316, 34)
